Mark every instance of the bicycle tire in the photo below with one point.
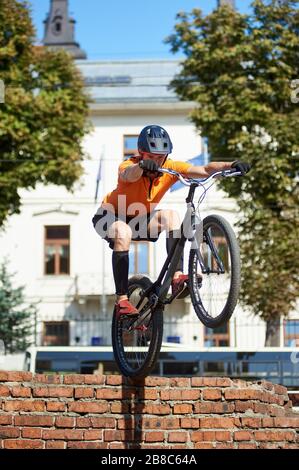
(196, 292)
(147, 358)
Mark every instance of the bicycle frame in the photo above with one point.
(158, 291)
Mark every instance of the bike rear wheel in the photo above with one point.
(136, 349)
(214, 272)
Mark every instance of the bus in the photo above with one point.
(277, 365)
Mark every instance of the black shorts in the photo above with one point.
(103, 220)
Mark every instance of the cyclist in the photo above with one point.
(141, 185)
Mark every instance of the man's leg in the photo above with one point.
(168, 220)
(121, 234)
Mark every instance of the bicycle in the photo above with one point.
(214, 283)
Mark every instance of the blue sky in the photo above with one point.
(124, 29)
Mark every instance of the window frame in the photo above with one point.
(127, 153)
(135, 246)
(57, 242)
(217, 337)
(290, 336)
(66, 335)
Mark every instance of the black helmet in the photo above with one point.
(154, 139)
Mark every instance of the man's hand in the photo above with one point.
(149, 165)
(243, 167)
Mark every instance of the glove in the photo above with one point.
(243, 167)
(149, 165)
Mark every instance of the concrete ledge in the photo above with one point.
(112, 412)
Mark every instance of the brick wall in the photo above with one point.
(110, 412)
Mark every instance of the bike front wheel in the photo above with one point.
(214, 272)
(136, 346)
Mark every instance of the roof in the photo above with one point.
(130, 81)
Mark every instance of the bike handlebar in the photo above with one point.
(189, 181)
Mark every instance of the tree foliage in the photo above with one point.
(242, 72)
(16, 319)
(44, 116)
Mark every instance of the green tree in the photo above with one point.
(16, 319)
(241, 71)
(44, 116)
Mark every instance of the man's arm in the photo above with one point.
(206, 170)
(131, 174)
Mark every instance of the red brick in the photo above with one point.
(211, 394)
(174, 436)
(290, 422)
(251, 422)
(154, 436)
(156, 382)
(189, 423)
(15, 376)
(5, 419)
(71, 379)
(88, 407)
(32, 433)
(190, 394)
(56, 406)
(216, 422)
(247, 445)
(103, 422)
(24, 405)
(109, 393)
(156, 409)
(182, 409)
(21, 392)
(179, 382)
(4, 391)
(242, 394)
(276, 435)
(93, 435)
(171, 394)
(87, 445)
(54, 392)
(55, 445)
(47, 379)
(117, 435)
(223, 436)
(114, 380)
(119, 407)
(38, 420)
(243, 436)
(94, 379)
(84, 392)
(203, 445)
(64, 422)
(7, 432)
(23, 444)
(62, 434)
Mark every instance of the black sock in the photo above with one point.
(120, 265)
(171, 239)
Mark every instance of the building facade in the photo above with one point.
(53, 247)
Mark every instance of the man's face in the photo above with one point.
(159, 159)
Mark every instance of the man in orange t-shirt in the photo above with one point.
(140, 188)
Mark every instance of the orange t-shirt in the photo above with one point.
(144, 191)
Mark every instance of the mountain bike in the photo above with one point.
(213, 283)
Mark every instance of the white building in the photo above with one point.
(52, 245)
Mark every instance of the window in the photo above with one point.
(291, 333)
(56, 333)
(130, 145)
(57, 250)
(139, 258)
(217, 337)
